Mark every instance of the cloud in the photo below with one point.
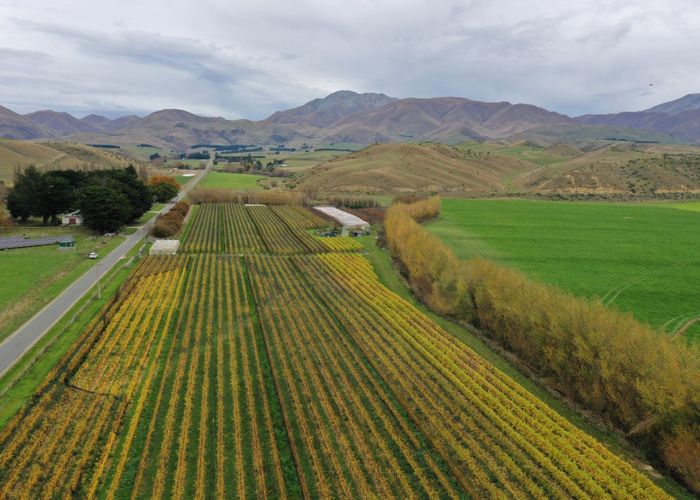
(248, 59)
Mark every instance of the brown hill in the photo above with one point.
(444, 119)
(53, 155)
(60, 123)
(15, 126)
(623, 169)
(400, 168)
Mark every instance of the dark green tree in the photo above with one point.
(56, 195)
(127, 182)
(104, 209)
(22, 200)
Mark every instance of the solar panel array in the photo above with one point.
(21, 242)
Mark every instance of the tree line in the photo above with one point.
(613, 365)
(107, 199)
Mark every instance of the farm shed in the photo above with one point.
(164, 247)
(352, 224)
(72, 219)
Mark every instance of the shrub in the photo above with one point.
(170, 223)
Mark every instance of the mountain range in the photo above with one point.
(349, 117)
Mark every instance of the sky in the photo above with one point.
(247, 59)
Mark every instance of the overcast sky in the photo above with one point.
(246, 59)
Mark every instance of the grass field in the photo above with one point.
(39, 274)
(231, 181)
(693, 206)
(635, 257)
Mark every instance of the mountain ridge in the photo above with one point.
(347, 116)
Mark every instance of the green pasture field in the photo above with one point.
(182, 179)
(299, 161)
(693, 206)
(231, 181)
(641, 258)
(522, 152)
(37, 275)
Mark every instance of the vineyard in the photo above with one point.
(262, 365)
(249, 229)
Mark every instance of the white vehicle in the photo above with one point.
(92, 255)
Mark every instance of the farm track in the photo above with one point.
(263, 364)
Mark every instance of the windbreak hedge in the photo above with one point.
(623, 370)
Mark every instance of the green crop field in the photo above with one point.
(231, 181)
(641, 258)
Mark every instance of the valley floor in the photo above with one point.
(268, 362)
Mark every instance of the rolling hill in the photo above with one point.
(53, 155)
(61, 123)
(400, 168)
(620, 170)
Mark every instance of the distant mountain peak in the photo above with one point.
(324, 111)
(688, 102)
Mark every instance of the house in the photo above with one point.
(351, 224)
(72, 219)
(164, 247)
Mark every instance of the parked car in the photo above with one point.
(92, 255)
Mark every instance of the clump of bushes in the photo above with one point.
(163, 188)
(170, 223)
(613, 365)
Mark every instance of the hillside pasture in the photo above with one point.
(523, 151)
(640, 258)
